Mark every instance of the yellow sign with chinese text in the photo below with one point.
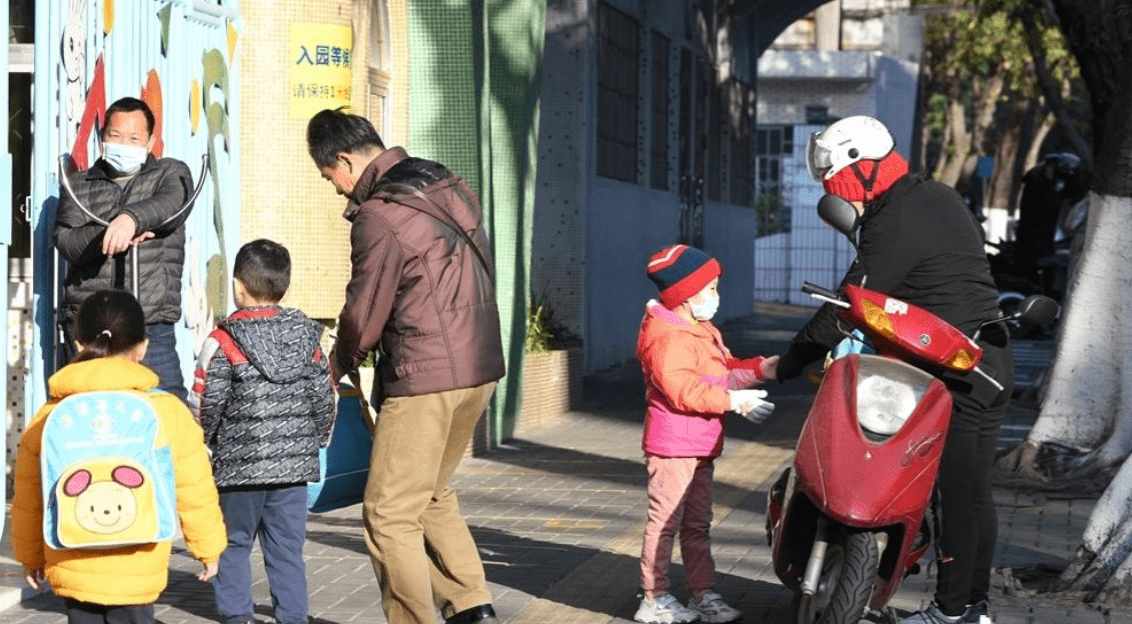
(321, 67)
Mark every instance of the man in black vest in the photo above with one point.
(139, 196)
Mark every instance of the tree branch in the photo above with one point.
(1051, 89)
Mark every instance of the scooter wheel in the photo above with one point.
(846, 583)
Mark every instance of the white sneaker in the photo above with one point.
(664, 609)
(712, 609)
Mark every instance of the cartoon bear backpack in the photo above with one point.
(107, 473)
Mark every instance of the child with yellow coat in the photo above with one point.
(120, 583)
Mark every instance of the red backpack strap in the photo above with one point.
(228, 346)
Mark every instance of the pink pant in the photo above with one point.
(679, 493)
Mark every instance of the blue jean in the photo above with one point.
(277, 515)
(161, 358)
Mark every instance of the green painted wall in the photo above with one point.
(475, 80)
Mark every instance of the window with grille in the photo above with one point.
(772, 145)
(658, 150)
(716, 124)
(742, 99)
(617, 94)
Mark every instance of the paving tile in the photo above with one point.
(558, 514)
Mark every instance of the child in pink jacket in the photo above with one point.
(691, 381)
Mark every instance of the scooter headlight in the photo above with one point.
(887, 394)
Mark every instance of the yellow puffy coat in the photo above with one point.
(130, 575)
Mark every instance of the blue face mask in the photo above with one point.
(125, 159)
(706, 310)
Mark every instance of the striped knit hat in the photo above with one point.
(680, 272)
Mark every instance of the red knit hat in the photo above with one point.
(866, 180)
(680, 272)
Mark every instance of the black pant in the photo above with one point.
(965, 512)
(79, 612)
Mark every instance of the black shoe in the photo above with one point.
(483, 613)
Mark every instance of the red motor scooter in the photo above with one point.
(846, 521)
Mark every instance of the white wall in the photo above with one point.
(627, 223)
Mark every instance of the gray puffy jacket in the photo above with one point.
(157, 192)
(262, 394)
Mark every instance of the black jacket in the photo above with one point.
(262, 395)
(919, 243)
(156, 193)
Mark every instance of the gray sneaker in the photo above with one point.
(978, 613)
(664, 609)
(713, 609)
(932, 615)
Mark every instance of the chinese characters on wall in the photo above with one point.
(321, 68)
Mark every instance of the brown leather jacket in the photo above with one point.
(418, 293)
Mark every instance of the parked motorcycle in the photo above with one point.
(846, 521)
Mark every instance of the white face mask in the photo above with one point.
(125, 159)
(706, 310)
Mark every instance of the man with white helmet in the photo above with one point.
(918, 242)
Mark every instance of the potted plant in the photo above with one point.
(552, 369)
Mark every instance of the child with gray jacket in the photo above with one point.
(263, 395)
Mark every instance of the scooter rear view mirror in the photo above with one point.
(839, 215)
(1037, 310)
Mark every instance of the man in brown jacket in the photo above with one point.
(421, 294)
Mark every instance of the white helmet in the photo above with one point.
(846, 142)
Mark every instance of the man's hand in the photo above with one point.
(768, 368)
(336, 374)
(119, 234)
(144, 236)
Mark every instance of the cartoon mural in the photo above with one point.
(180, 59)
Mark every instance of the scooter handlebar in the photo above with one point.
(824, 294)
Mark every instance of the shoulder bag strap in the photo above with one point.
(434, 210)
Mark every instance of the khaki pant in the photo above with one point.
(422, 551)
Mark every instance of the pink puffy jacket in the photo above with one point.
(686, 382)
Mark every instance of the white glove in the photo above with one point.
(750, 404)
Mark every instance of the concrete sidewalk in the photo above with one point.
(558, 515)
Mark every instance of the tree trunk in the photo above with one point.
(1035, 150)
(956, 145)
(963, 139)
(1101, 567)
(1006, 154)
(1089, 403)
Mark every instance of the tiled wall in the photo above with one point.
(19, 343)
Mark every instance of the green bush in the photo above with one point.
(540, 332)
